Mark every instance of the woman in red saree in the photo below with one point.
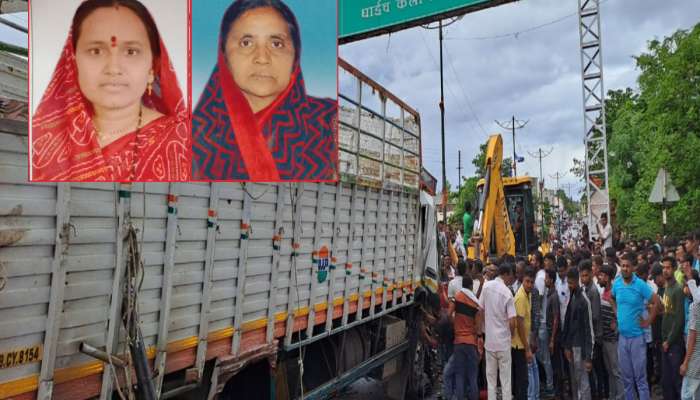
(113, 110)
(254, 120)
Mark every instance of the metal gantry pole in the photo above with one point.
(596, 159)
(445, 195)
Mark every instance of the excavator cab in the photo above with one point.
(504, 223)
(521, 212)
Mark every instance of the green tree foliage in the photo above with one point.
(479, 162)
(569, 205)
(658, 126)
(466, 193)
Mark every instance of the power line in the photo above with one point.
(449, 88)
(466, 97)
(520, 32)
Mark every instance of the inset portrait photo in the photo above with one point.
(264, 81)
(108, 90)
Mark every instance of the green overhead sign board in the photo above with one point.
(360, 19)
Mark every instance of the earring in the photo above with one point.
(149, 87)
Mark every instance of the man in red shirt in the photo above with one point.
(468, 343)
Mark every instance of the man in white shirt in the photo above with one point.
(499, 318)
(604, 231)
(537, 263)
(562, 287)
(455, 284)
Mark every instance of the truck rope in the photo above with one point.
(255, 198)
(293, 200)
(3, 276)
(133, 342)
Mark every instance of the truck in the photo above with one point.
(224, 290)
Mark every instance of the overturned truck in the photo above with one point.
(219, 290)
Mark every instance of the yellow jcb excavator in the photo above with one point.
(505, 211)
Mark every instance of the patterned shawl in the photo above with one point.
(292, 139)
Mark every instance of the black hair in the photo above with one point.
(505, 269)
(695, 274)
(529, 272)
(87, 7)
(477, 266)
(609, 271)
(461, 267)
(670, 259)
(467, 207)
(656, 270)
(688, 258)
(551, 274)
(585, 265)
(507, 258)
(610, 253)
(642, 269)
(550, 256)
(604, 215)
(598, 260)
(239, 7)
(572, 274)
(561, 263)
(537, 256)
(467, 282)
(631, 257)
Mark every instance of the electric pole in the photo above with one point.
(442, 134)
(459, 170)
(557, 176)
(512, 125)
(540, 155)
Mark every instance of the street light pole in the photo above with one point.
(515, 159)
(540, 156)
(442, 134)
(511, 125)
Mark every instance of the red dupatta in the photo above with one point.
(253, 146)
(64, 139)
(292, 139)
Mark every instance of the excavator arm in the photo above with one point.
(492, 227)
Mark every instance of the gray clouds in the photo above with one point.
(535, 76)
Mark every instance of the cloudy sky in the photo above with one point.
(534, 75)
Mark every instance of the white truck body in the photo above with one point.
(227, 267)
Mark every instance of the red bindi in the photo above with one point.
(114, 41)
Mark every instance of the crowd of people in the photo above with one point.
(584, 321)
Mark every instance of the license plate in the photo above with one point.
(20, 356)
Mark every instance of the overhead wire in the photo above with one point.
(447, 84)
(516, 34)
(464, 92)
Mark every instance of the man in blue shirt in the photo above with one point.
(630, 297)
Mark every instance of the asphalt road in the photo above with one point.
(370, 389)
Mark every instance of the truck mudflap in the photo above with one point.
(228, 366)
